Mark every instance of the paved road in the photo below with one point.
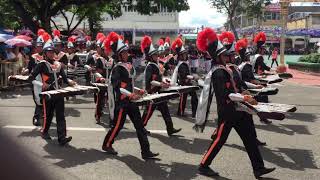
(293, 144)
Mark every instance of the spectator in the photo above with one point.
(9, 53)
(274, 57)
(194, 59)
(20, 60)
(3, 54)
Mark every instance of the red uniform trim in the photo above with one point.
(213, 144)
(116, 128)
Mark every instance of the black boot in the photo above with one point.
(46, 136)
(146, 132)
(35, 122)
(97, 119)
(262, 171)
(259, 143)
(65, 140)
(173, 131)
(110, 150)
(149, 155)
(170, 129)
(207, 171)
(265, 121)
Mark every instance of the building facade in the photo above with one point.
(133, 25)
(303, 26)
(270, 23)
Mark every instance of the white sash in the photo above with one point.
(204, 104)
(175, 74)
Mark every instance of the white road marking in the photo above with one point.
(76, 129)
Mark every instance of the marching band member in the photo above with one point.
(247, 72)
(168, 61)
(73, 59)
(34, 60)
(194, 59)
(221, 83)
(100, 75)
(227, 39)
(88, 44)
(153, 83)
(120, 95)
(80, 44)
(258, 62)
(50, 70)
(60, 55)
(90, 63)
(182, 76)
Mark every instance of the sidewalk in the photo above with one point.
(304, 78)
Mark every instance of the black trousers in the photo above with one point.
(274, 61)
(88, 77)
(100, 100)
(37, 110)
(183, 101)
(163, 108)
(49, 106)
(246, 133)
(248, 117)
(120, 114)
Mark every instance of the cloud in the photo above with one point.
(201, 13)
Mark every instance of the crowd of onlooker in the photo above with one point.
(17, 57)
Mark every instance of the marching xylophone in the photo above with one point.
(264, 91)
(285, 75)
(18, 78)
(155, 98)
(267, 110)
(68, 91)
(77, 72)
(180, 89)
(269, 79)
(100, 86)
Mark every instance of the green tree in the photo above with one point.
(39, 13)
(253, 8)
(229, 7)
(9, 19)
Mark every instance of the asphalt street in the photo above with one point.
(293, 145)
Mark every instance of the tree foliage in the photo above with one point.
(253, 8)
(34, 14)
(8, 19)
(228, 7)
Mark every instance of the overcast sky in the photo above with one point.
(200, 13)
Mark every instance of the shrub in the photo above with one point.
(311, 58)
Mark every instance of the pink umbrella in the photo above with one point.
(24, 37)
(18, 42)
